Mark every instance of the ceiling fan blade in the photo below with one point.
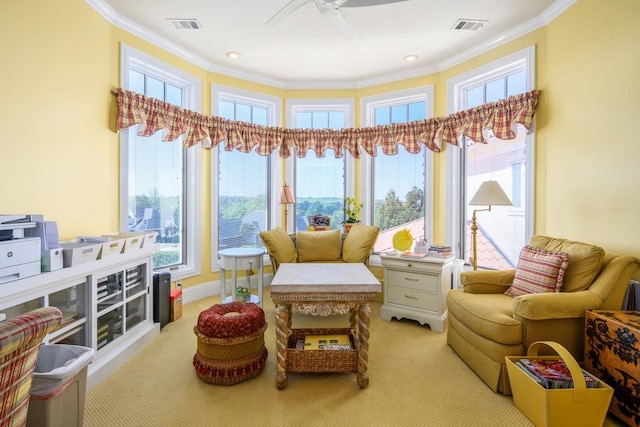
(337, 20)
(363, 3)
(286, 10)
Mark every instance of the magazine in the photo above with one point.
(553, 374)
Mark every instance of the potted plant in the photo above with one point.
(243, 294)
(351, 213)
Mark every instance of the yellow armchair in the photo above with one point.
(485, 325)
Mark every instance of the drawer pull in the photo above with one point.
(412, 279)
(410, 297)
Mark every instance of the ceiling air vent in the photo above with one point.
(185, 24)
(468, 24)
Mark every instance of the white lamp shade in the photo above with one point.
(490, 193)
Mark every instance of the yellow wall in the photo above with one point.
(60, 154)
(59, 157)
(590, 135)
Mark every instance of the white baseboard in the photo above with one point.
(209, 289)
(198, 292)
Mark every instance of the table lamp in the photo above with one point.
(286, 199)
(489, 193)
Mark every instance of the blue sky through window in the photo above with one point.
(404, 170)
(320, 177)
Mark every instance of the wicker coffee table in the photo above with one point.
(323, 290)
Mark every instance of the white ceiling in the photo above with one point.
(305, 50)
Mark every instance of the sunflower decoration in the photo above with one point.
(402, 240)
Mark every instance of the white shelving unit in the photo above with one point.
(106, 305)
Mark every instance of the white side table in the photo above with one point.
(235, 259)
(416, 289)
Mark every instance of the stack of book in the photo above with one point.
(324, 342)
(440, 251)
(553, 374)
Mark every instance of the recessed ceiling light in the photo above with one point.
(233, 55)
(410, 58)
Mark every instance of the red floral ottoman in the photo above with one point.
(230, 343)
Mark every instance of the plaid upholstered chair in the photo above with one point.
(20, 340)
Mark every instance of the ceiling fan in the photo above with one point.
(330, 9)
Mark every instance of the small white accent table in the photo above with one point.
(235, 259)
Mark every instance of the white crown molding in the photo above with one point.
(126, 24)
(400, 75)
(245, 75)
(103, 9)
(556, 9)
(321, 85)
(552, 12)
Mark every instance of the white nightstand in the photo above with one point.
(416, 288)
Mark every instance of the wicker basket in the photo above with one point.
(322, 360)
(229, 372)
(230, 348)
(229, 361)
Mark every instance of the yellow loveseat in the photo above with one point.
(485, 325)
(320, 246)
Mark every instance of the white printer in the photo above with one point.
(19, 255)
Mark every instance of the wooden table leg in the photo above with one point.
(283, 322)
(353, 317)
(364, 319)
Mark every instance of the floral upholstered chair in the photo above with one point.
(20, 340)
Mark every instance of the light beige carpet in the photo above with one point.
(415, 380)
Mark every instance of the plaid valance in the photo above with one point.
(498, 118)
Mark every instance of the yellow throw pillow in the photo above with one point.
(359, 242)
(585, 260)
(319, 245)
(279, 245)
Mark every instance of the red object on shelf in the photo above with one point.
(176, 304)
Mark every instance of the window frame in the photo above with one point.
(273, 105)
(523, 59)
(191, 86)
(309, 105)
(368, 107)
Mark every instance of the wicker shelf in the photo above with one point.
(322, 360)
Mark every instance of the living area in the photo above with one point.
(582, 172)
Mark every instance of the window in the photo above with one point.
(506, 229)
(398, 188)
(160, 181)
(241, 183)
(320, 183)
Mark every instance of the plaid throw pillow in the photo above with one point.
(538, 271)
